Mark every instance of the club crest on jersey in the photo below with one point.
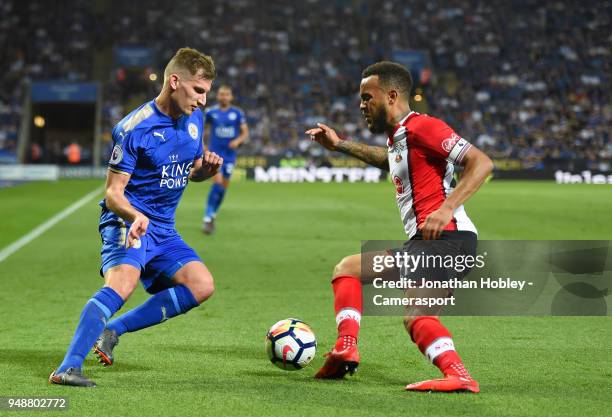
(449, 143)
(116, 155)
(398, 158)
(193, 131)
(399, 185)
(232, 116)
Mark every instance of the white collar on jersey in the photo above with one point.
(399, 132)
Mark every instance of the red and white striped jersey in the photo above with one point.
(422, 152)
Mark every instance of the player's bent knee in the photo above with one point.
(202, 288)
(349, 265)
(124, 289)
(123, 279)
(207, 289)
(218, 179)
(198, 279)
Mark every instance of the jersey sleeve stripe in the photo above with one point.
(118, 171)
(142, 114)
(465, 150)
(458, 152)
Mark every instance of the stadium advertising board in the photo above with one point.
(133, 56)
(279, 169)
(52, 92)
(19, 172)
(584, 177)
(315, 174)
(296, 170)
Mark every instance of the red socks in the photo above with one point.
(348, 307)
(432, 338)
(434, 341)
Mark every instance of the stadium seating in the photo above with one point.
(524, 80)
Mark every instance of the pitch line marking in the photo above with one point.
(42, 228)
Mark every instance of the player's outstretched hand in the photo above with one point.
(325, 136)
(211, 164)
(137, 230)
(435, 223)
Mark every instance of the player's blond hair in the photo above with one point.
(192, 60)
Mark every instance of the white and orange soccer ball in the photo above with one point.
(291, 344)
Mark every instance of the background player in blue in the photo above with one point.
(158, 149)
(227, 129)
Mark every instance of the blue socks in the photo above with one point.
(215, 197)
(96, 313)
(157, 309)
(106, 302)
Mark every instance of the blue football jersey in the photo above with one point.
(158, 152)
(224, 127)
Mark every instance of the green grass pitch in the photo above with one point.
(272, 258)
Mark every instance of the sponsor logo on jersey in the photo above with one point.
(175, 175)
(116, 155)
(193, 131)
(449, 143)
(226, 132)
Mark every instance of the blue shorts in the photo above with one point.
(229, 160)
(227, 169)
(161, 253)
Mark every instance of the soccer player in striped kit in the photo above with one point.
(420, 157)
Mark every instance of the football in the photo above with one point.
(291, 344)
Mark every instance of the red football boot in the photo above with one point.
(450, 383)
(339, 363)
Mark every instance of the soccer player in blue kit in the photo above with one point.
(158, 149)
(228, 130)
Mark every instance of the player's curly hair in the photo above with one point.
(391, 75)
(193, 61)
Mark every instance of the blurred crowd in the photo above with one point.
(526, 80)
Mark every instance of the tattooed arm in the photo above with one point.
(327, 137)
(373, 155)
